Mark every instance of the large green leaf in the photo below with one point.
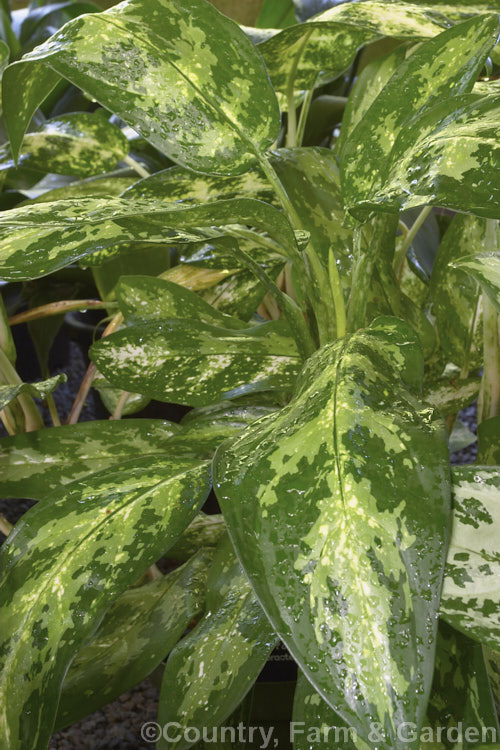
(179, 184)
(448, 157)
(460, 704)
(38, 390)
(321, 49)
(78, 144)
(455, 296)
(450, 396)
(63, 565)
(193, 363)
(203, 531)
(37, 240)
(181, 74)
(37, 463)
(488, 435)
(443, 67)
(211, 670)
(485, 268)
(471, 589)
(137, 632)
(338, 509)
(144, 298)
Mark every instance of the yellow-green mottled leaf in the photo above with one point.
(318, 51)
(137, 632)
(65, 562)
(450, 396)
(181, 74)
(338, 508)
(80, 144)
(111, 397)
(455, 296)
(38, 390)
(179, 184)
(203, 531)
(142, 298)
(37, 240)
(440, 69)
(485, 268)
(471, 590)
(37, 463)
(211, 670)
(447, 156)
(193, 363)
(110, 185)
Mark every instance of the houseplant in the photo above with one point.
(343, 531)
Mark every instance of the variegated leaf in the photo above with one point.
(111, 397)
(460, 437)
(37, 240)
(137, 632)
(338, 508)
(450, 396)
(209, 426)
(318, 51)
(179, 184)
(471, 590)
(37, 463)
(110, 185)
(460, 703)
(38, 390)
(143, 298)
(203, 531)
(443, 67)
(447, 156)
(184, 76)
(211, 670)
(485, 269)
(193, 363)
(455, 296)
(80, 144)
(63, 565)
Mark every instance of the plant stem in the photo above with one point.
(53, 410)
(337, 294)
(58, 308)
(5, 525)
(136, 166)
(317, 281)
(291, 136)
(89, 376)
(304, 112)
(410, 236)
(8, 375)
(122, 401)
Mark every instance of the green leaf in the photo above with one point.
(460, 702)
(318, 51)
(143, 298)
(179, 184)
(345, 548)
(38, 390)
(320, 206)
(443, 67)
(110, 185)
(36, 463)
(140, 258)
(203, 531)
(488, 434)
(448, 157)
(111, 396)
(193, 363)
(455, 296)
(80, 144)
(137, 632)
(461, 437)
(484, 268)
(471, 595)
(277, 14)
(189, 81)
(210, 671)
(450, 396)
(67, 559)
(37, 240)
